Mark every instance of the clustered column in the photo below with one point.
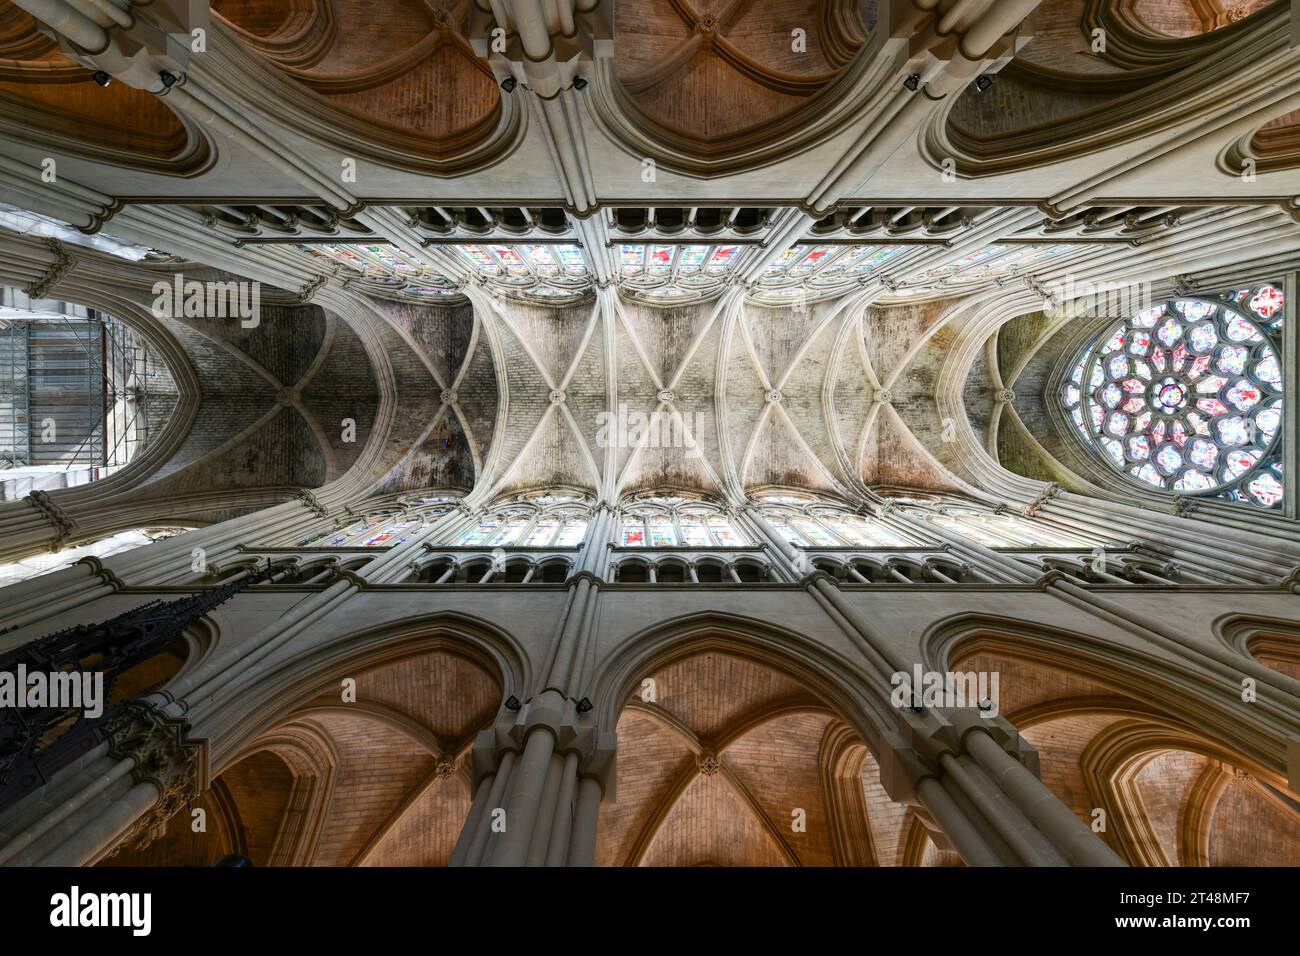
(950, 764)
(544, 768)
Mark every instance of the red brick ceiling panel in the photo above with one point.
(706, 70)
(396, 65)
(46, 91)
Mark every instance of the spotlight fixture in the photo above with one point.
(579, 83)
(913, 82)
(983, 82)
(509, 84)
(168, 80)
(986, 705)
(102, 78)
(585, 705)
(512, 703)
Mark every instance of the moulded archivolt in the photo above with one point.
(427, 106)
(52, 103)
(1273, 146)
(1156, 82)
(647, 106)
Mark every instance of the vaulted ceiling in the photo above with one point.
(786, 235)
(1173, 794)
(622, 245)
(57, 100)
(401, 71)
(381, 781)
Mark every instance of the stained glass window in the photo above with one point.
(571, 257)
(784, 260)
(1007, 531)
(659, 522)
(694, 534)
(785, 531)
(813, 532)
(859, 531)
(377, 532)
(662, 533)
(573, 533)
(510, 531)
(527, 529)
(724, 532)
(543, 532)
(722, 257)
(480, 259)
(668, 275)
(661, 258)
(632, 257)
(1186, 396)
(825, 528)
(691, 258)
(485, 529)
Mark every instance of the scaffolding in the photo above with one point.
(15, 438)
(74, 390)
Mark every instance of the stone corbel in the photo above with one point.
(309, 290)
(139, 49)
(936, 731)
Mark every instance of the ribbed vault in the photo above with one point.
(724, 761)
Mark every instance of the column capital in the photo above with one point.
(549, 712)
(164, 756)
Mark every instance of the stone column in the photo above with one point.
(943, 763)
(540, 775)
(548, 764)
(119, 794)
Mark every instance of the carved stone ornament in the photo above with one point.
(60, 267)
(708, 762)
(164, 756)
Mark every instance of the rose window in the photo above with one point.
(1186, 396)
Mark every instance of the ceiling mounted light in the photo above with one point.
(102, 78)
(913, 82)
(509, 84)
(579, 83)
(983, 82)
